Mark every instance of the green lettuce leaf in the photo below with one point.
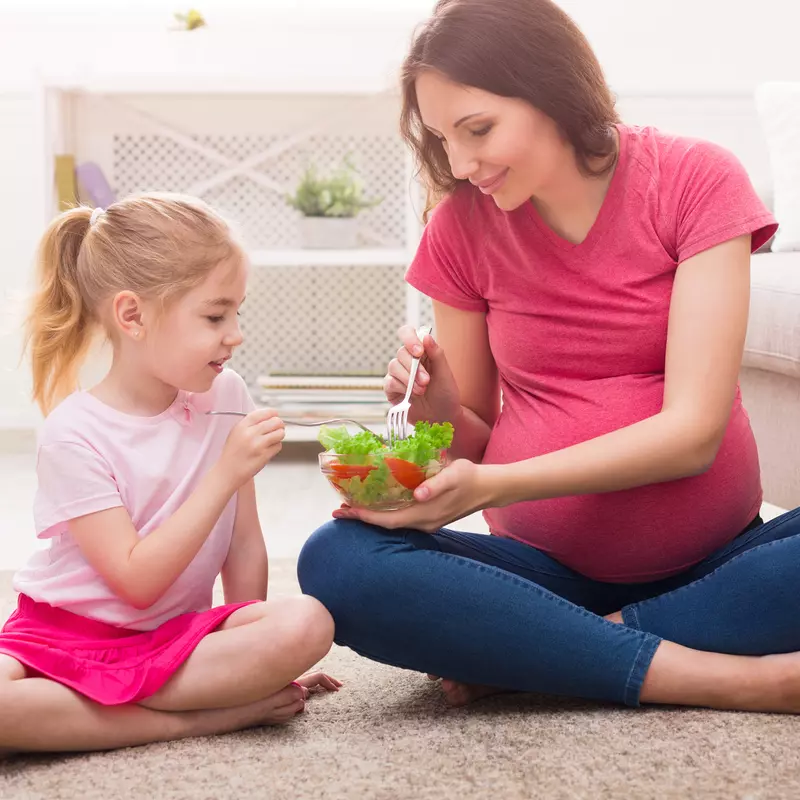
(340, 440)
(425, 444)
(371, 489)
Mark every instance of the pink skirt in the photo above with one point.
(107, 664)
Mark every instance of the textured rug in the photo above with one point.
(389, 736)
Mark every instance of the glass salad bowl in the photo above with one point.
(367, 473)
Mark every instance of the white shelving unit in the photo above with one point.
(209, 116)
(362, 257)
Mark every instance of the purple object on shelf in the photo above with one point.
(94, 183)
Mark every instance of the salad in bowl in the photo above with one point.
(368, 473)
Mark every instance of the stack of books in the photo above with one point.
(314, 397)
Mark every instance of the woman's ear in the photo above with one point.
(126, 312)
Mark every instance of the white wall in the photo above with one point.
(691, 46)
(706, 46)
(21, 218)
(703, 48)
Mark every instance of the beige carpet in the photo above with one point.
(388, 735)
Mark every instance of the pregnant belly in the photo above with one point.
(639, 534)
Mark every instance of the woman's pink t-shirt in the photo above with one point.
(92, 458)
(579, 334)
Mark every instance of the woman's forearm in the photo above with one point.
(470, 436)
(662, 448)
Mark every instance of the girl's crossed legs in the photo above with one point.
(482, 610)
(237, 677)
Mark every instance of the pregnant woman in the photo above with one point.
(594, 276)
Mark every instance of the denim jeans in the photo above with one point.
(488, 610)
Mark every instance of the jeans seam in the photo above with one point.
(630, 616)
(446, 534)
(530, 586)
(367, 654)
(644, 656)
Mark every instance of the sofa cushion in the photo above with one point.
(773, 333)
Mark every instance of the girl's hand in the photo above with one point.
(316, 682)
(460, 489)
(251, 444)
(435, 394)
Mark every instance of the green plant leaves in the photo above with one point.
(338, 193)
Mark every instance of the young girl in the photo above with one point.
(146, 499)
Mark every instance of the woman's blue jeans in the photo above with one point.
(487, 610)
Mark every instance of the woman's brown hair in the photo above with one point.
(527, 49)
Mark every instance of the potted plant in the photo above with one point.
(329, 204)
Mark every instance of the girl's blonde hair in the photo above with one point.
(158, 246)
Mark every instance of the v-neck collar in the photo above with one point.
(606, 213)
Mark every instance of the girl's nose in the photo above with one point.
(235, 337)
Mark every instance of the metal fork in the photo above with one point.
(296, 422)
(397, 418)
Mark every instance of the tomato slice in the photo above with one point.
(405, 473)
(345, 471)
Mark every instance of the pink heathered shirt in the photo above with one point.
(579, 334)
(92, 458)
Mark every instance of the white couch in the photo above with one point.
(770, 377)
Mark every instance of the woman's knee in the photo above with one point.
(333, 557)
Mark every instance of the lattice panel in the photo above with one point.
(152, 162)
(321, 320)
(426, 312)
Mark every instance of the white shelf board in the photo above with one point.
(212, 84)
(368, 257)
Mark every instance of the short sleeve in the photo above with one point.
(74, 480)
(444, 266)
(716, 202)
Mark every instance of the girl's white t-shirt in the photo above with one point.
(92, 458)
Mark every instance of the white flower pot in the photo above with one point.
(329, 233)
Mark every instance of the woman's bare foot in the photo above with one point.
(461, 694)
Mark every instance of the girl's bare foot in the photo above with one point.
(277, 709)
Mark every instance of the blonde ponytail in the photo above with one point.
(155, 245)
(59, 325)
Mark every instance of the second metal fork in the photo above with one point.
(305, 424)
(397, 418)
